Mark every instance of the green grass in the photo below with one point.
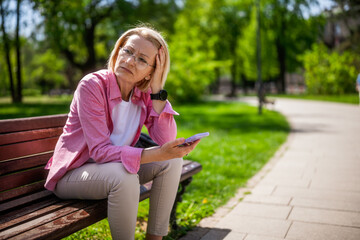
(34, 106)
(240, 143)
(346, 98)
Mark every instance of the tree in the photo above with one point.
(236, 16)
(85, 31)
(347, 14)
(284, 16)
(16, 93)
(328, 72)
(70, 27)
(196, 48)
(7, 51)
(18, 54)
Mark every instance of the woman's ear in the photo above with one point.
(147, 77)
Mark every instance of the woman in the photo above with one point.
(95, 157)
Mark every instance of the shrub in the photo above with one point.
(329, 72)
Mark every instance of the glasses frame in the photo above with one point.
(122, 53)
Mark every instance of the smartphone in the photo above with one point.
(194, 138)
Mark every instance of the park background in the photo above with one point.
(308, 50)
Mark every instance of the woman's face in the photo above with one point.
(135, 61)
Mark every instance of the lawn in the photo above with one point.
(240, 143)
(34, 106)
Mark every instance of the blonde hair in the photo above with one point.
(151, 35)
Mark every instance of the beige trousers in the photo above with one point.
(112, 181)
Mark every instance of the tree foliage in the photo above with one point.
(208, 39)
(329, 72)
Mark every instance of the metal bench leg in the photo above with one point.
(181, 191)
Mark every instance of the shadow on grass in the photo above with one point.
(243, 119)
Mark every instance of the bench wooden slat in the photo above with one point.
(64, 225)
(23, 200)
(24, 124)
(47, 207)
(14, 216)
(10, 166)
(22, 178)
(31, 188)
(27, 148)
(28, 225)
(189, 169)
(25, 136)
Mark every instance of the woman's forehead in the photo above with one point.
(141, 45)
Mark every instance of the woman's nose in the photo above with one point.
(131, 60)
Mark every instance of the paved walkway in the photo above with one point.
(309, 190)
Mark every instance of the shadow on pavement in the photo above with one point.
(206, 234)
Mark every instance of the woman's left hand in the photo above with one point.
(156, 77)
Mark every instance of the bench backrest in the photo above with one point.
(26, 144)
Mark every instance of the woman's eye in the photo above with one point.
(142, 60)
(127, 51)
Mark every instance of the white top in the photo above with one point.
(126, 119)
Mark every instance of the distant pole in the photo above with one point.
(258, 58)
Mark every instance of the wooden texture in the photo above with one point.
(33, 123)
(27, 148)
(10, 166)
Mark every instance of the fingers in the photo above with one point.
(189, 147)
(173, 150)
(177, 142)
(159, 69)
(162, 56)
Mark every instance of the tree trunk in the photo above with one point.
(233, 78)
(215, 86)
(18, 54)
(89, 36)
(281, 86)
(244, 83)
(7, 52)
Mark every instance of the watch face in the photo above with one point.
(163, 95)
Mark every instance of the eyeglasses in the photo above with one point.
(141, 63)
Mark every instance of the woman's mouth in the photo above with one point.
(126, 69)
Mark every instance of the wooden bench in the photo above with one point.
(27, 210)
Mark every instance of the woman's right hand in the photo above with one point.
(172, 149)
(167, 151)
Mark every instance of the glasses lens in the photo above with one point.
(140, 65)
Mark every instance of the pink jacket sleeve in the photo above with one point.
(162, 127)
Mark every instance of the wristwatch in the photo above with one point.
(162, 95)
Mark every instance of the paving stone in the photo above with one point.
(289, 181)
(312, 231)
(265, 189)
(262, 210)
(333, 217)
(255, 198)
(216, 233)
(256, 225)
(260, 237)
(291, 173)
(235, 236)
(316, 194)
(346, 205)
(196, 234)
(347, 183)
